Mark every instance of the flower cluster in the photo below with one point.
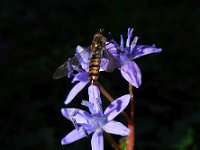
(96, 120)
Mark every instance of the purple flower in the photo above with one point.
(124, 56)
(86, 123)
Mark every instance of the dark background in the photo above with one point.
(37, 36)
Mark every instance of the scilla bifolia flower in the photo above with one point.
(96, 121)
(125, 54)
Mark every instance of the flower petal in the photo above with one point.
(74, 135)
(97, 140)
(141, 50)
(111, 47)
(115, 127)
(90, 106)
(94, 93)
(121, 41)
(109, 64)
(80, 116)
(94, 97)
(88, 127)
(129, 35)
(83, 54)
(81, 76)
(133, 44)
(74, 91)
(131, 72)
(117, 106)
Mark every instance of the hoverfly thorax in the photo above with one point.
(98, 42)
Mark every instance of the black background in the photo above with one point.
(37, 36)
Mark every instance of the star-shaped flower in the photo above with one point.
(124, 56)
(96, 121)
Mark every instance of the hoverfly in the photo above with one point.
(93, 57)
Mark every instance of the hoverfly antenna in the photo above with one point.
(101, 30)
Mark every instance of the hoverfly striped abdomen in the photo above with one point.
(94, 66)
(98, 44)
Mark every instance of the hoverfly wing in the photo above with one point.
(67, 68)
(81, 57)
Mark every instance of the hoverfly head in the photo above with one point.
(98, 41)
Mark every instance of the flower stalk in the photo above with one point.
(131, 124)
(112, 141)
(104, 92)
(110, 98)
